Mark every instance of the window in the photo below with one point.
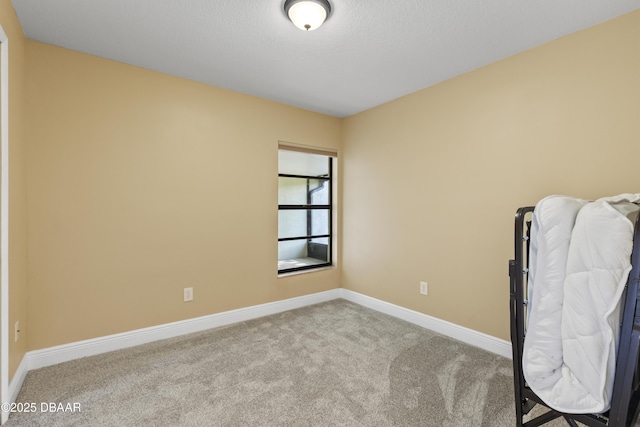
(304, 209)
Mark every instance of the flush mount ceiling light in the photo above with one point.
(307, 14)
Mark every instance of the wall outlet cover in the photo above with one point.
(188, 294)
(424, 288)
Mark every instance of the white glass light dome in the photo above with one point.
(307, 14)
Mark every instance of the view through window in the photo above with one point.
(304, 210)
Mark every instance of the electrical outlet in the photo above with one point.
(188, 294)
(16, 331)
(424, 288)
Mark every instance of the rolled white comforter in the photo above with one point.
(579, 263)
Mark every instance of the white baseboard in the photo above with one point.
(14, 387)
(66, 352)
(469, 336)
(18, 378)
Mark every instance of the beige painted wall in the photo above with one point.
(17, 186)
(431, 181)
(141, 184)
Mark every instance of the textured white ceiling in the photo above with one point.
(368, 52)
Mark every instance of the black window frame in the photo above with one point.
(310, 207)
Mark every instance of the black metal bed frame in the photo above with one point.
(626, 393)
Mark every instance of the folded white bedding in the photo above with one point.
(579, 263)
(551, 227)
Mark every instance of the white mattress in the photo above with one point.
(579, 263)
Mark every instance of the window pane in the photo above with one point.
(319, 249)
(296, 163)
(296, 191)
(292, 249)
(287, 264)
(292, 223)
(319, 191)
(303, 251)
(319, 221)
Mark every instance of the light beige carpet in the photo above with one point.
(331, 364)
